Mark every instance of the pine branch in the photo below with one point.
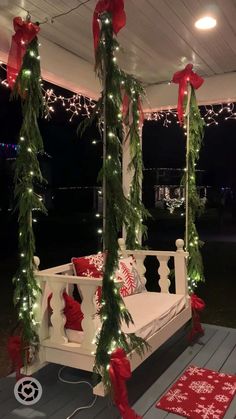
(27, 179)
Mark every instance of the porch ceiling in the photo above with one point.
(159, 38)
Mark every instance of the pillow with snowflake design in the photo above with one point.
(128, 273)
(89, 265)
(93, 266)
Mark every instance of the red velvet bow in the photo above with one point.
(15, 353)
(116, 8)
(197, 305)
(125, 108)
(119, 372)
(25, 33)
(182, 78)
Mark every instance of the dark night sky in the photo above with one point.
(165, 147)
(76, 161)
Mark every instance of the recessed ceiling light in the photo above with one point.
(206, 22)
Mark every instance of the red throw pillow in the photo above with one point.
(89, 265)
(72, 312)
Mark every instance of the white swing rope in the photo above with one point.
(187, 168)
(76, 382)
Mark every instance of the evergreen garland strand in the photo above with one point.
(196, 206)
(28, 178)
(119, 210)
(136, 229)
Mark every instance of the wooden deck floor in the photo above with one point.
(216, 350)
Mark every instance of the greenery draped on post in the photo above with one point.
(28, 178)
(133, 121)
(119, 210)
(195, 204)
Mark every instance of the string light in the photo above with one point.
(75, 105)
(80, 105)
(212, 114)
(9, 147)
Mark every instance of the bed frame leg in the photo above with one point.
(99, 390)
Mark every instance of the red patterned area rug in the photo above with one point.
(200, 394)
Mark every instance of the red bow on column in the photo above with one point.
(197, 305)
(182, 78)
(15, 353)
(116, 8)
(119, 372)
(25, 33)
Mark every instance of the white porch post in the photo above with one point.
(127, 174)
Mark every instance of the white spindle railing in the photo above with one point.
(58, 279)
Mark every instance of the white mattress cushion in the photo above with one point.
(150, 312)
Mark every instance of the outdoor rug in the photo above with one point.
(200, 393)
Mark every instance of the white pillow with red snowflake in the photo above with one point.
(92, 266)
(128, 273)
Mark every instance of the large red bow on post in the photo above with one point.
(182, 78)
(25, 33)
(119, 372)
(197, 305)
(116, 8)
(15, 353)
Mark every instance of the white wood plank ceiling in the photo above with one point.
(159, 37)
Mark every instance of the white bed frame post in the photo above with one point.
(58, 319)
(89, 310)
(180, 261)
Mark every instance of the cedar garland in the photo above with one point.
(133, 120)
(196, 206)
(28, 178)
(119, 210)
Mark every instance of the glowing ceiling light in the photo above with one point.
(206, 22)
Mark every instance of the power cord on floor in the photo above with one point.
(77, 382)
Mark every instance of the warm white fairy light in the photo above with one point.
(211, 114)
(80, 105)
(75, 105)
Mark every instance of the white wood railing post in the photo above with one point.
(164, 271)
(181, 280)
(58, 319)
(141, 267)
(88, 308)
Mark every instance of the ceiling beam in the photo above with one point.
(215, 89)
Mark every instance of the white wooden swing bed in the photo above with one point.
(157, 315)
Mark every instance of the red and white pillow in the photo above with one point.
(93, 266)
(127, 272)
(89, 265)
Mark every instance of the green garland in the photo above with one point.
(28, 178)
(136, 229)
(119, 210)
(196, 206)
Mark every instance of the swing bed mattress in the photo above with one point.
(150, 312)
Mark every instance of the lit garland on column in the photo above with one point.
(28, 176)
(119, 211)
(195, 204)
(133, 119)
